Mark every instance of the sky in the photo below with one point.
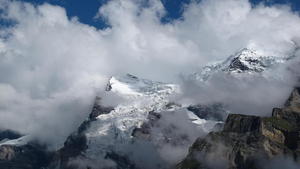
(86, 11)
(56, 56)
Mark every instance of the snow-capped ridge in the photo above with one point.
(16, 142)
(250, 60)
(130, 85)
(246, 60)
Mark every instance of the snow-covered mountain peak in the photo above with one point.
(130, 85)
(246, 60)
(115, 128)
(250, 60)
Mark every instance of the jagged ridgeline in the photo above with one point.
(250, 142)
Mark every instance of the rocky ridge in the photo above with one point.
(247, 142)
(17, 154)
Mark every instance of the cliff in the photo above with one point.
(247, 142)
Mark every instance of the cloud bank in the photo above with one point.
(52, 66)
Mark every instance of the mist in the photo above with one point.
(52, 66)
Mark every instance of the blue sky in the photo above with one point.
(86, 10)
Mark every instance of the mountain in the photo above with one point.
(250, 142)
(18, 152)
(244, 61)
(143, 116)
(146, 117)
(146, 129)
(117, 126)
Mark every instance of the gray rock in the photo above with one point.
(214, 111)
(29, 156)
(248, 141)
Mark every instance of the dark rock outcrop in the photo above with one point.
(98, 109)
(144, 132)
(246, 141)
(29, 156)
(244, 62)
(236, 64)
(209, 112)
(242, 123)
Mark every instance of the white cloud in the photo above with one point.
(50, 66)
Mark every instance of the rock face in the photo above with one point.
(144, 132)
(16, 153)
(209, 112)
(246, 142)
(29, 156)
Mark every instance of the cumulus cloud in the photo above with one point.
(49, 71)
(51, 66)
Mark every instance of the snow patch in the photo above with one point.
(16, 142)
